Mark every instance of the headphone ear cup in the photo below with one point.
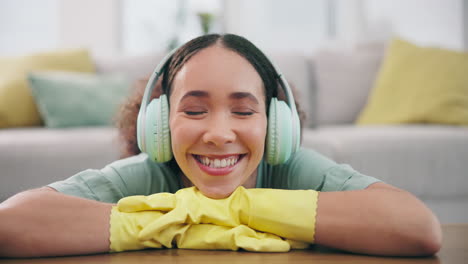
(279, 135)
(139, 131)
(297, 132)
(157, 133)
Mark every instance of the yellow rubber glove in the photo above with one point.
(287, 213)
(125, 229)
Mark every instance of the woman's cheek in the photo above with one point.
(255, 133)
(181, 135)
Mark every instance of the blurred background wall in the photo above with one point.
(125, 27)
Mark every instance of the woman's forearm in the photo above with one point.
(380, 220)
(43, 222)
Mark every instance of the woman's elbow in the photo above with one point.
(432, 242)
(429, 241)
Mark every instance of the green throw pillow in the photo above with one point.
(17, 106)
(68, 99)
(419, 85)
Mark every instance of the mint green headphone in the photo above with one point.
(154, 137)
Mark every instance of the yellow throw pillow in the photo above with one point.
(17, 106)
(419, 85)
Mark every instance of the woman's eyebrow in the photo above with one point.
(195, 93)
(235, 95)
(242, 95)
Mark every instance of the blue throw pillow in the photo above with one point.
(71, 99)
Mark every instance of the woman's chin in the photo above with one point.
(216, 192)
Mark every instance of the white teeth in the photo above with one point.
(217, 163)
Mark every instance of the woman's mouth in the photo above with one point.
(218, 166)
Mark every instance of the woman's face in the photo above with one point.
(218, 121)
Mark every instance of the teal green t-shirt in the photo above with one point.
(138, 175)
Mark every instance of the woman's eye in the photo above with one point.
(243, 113)
(193, 113)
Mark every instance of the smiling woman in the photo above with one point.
(220, 168)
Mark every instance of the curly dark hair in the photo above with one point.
(126, 118)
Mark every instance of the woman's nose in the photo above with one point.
(219, 131)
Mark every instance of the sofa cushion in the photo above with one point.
(344, 79)
(17, 106)
(69, 99)
(427, 160)
(34, 157)
(419, 85)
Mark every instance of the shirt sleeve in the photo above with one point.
(137, 175)
(307, 169)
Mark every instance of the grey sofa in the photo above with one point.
(431, 161)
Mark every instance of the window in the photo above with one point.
(275, 25)
(156, 25)
(28, 26)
